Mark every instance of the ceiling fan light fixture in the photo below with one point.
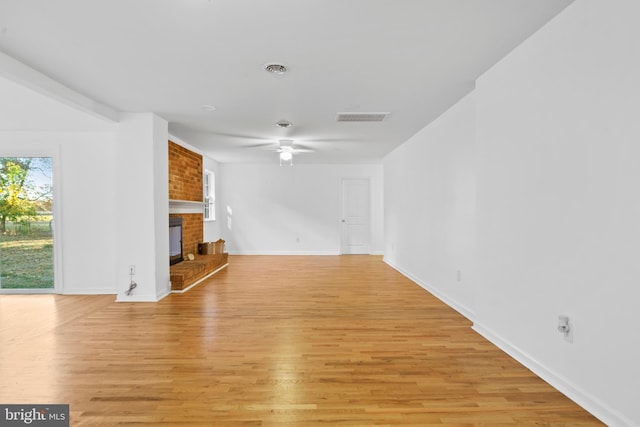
(286, 156)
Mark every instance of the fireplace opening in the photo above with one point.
(175, 240)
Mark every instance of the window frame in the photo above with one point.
(209, 195)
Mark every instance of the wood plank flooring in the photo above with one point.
(271, 341)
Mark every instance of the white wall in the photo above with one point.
(110, 192)
(429, 208)
(559, 205)
(290, 209)
(160, 187)
(85, 195)
(142, 207)
(557, 227)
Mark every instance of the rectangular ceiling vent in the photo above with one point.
(361, 117)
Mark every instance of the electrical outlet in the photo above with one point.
(132, 270)
(565, 327)
(459, 276)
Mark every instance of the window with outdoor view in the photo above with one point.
(209, 189)
(26, 224)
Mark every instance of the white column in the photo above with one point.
(142, 208)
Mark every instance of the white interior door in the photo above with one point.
(356, 212)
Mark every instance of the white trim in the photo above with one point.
(89, 292)
(185, 207)
(595, 406)
(139, 298)
(590, 403)
(27, 291)
(208, 190)
(16, 71)
(319, 253)
(457, 306)
(181, 291)
(123, 297)
(58, 253)
(185, 202)
(164, 293)
(56, 186)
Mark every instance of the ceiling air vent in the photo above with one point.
(361, 117)
(275, 68)
(284, 124)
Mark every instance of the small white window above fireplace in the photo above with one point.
(209, 190)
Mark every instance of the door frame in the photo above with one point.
(54, 154)
(341, 213)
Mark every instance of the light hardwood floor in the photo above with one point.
(271, 341)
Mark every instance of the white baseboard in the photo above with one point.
(284, 253)
(597, 408)
(457, 306)
(164, 293)
(590, 403)
(80, 291)
(139, 297)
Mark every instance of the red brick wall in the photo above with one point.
(185, 183)
(192, 232)
(185, 174)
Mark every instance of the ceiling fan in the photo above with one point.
(285, 148)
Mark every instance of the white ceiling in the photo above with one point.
(412, 58)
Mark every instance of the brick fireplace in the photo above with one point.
(185, 189)
(185, 174)
(185, 185)
(192, 231)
